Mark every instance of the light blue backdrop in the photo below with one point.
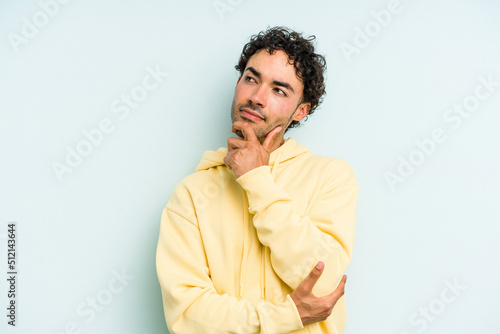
(413, 105)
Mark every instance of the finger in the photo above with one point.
(311, 279)
(270, 138)
(338, 292)
(245, 129)
(227, 159)
(234, 143)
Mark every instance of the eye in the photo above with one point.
(280, 91)
(249, 79)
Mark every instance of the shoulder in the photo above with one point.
(186, 194)
(336, 169)
(201, 184)
(199, 179)
(330, 169)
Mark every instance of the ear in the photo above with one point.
(302, 111)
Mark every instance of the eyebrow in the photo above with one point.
(275, 82)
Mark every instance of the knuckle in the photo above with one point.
(314, 274)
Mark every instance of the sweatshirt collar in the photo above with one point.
(289, 150)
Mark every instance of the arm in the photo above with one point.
(297, 243)
(191, 303)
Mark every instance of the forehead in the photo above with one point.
(275, 66)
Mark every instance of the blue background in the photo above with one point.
(437, 225)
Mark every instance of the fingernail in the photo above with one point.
(319, 265)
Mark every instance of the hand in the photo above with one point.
(311, 308)
(245, 154)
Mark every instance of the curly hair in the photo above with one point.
(309, 66)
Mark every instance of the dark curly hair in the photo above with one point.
(309, 66)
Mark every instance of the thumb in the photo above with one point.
(270, 138)
(339, 291)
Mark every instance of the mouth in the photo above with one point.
(251, 115)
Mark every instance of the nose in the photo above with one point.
(259, 96)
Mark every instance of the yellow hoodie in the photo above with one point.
(231, 251)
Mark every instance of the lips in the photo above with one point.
(250, 114)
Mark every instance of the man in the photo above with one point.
(258, 238)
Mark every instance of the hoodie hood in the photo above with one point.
(289, 150)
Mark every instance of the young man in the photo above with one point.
(258, 238)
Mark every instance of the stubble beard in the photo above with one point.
(260, 133)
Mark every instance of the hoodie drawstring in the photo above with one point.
(262, 273)
(264, 253)
(290, 149)
(245, 236)
(276, 165)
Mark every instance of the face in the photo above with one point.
(267, 94)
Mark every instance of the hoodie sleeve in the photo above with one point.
(191, 303)
(325, 233)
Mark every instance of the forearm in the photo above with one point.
(191, 303)
(298, 242)
(209, 312)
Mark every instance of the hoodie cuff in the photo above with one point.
(295, 316)
(285, 318)
(260, 187)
